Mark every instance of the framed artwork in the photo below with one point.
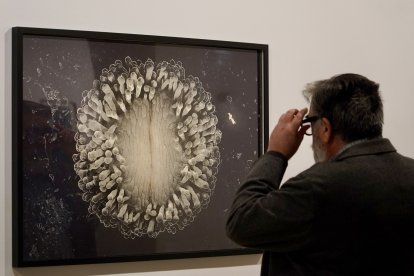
(130, 147)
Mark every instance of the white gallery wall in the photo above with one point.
(307, 40)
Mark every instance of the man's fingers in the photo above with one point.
(289, 115)
(299, 116)
(292, 112)
(303, 112)
(288, 133)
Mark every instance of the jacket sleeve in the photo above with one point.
(267, 217)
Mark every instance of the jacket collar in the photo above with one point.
(367, 147)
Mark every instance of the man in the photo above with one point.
(352, 213)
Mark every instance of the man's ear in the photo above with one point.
(326, 131)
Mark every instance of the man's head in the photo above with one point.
(349, 107)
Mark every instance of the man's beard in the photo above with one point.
(319, 152)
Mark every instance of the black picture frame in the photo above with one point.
(62, 116)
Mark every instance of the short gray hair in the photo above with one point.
(352, 104)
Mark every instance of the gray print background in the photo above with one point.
(56, 221)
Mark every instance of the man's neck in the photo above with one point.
(335, 147)
(349, 145)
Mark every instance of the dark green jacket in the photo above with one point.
(353, 215)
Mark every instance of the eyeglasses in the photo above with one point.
(308, 120)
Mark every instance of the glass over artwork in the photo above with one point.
(130, 147)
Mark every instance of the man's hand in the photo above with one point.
(288, 133)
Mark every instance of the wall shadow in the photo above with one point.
(140, 267)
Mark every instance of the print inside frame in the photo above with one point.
(130, 147)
